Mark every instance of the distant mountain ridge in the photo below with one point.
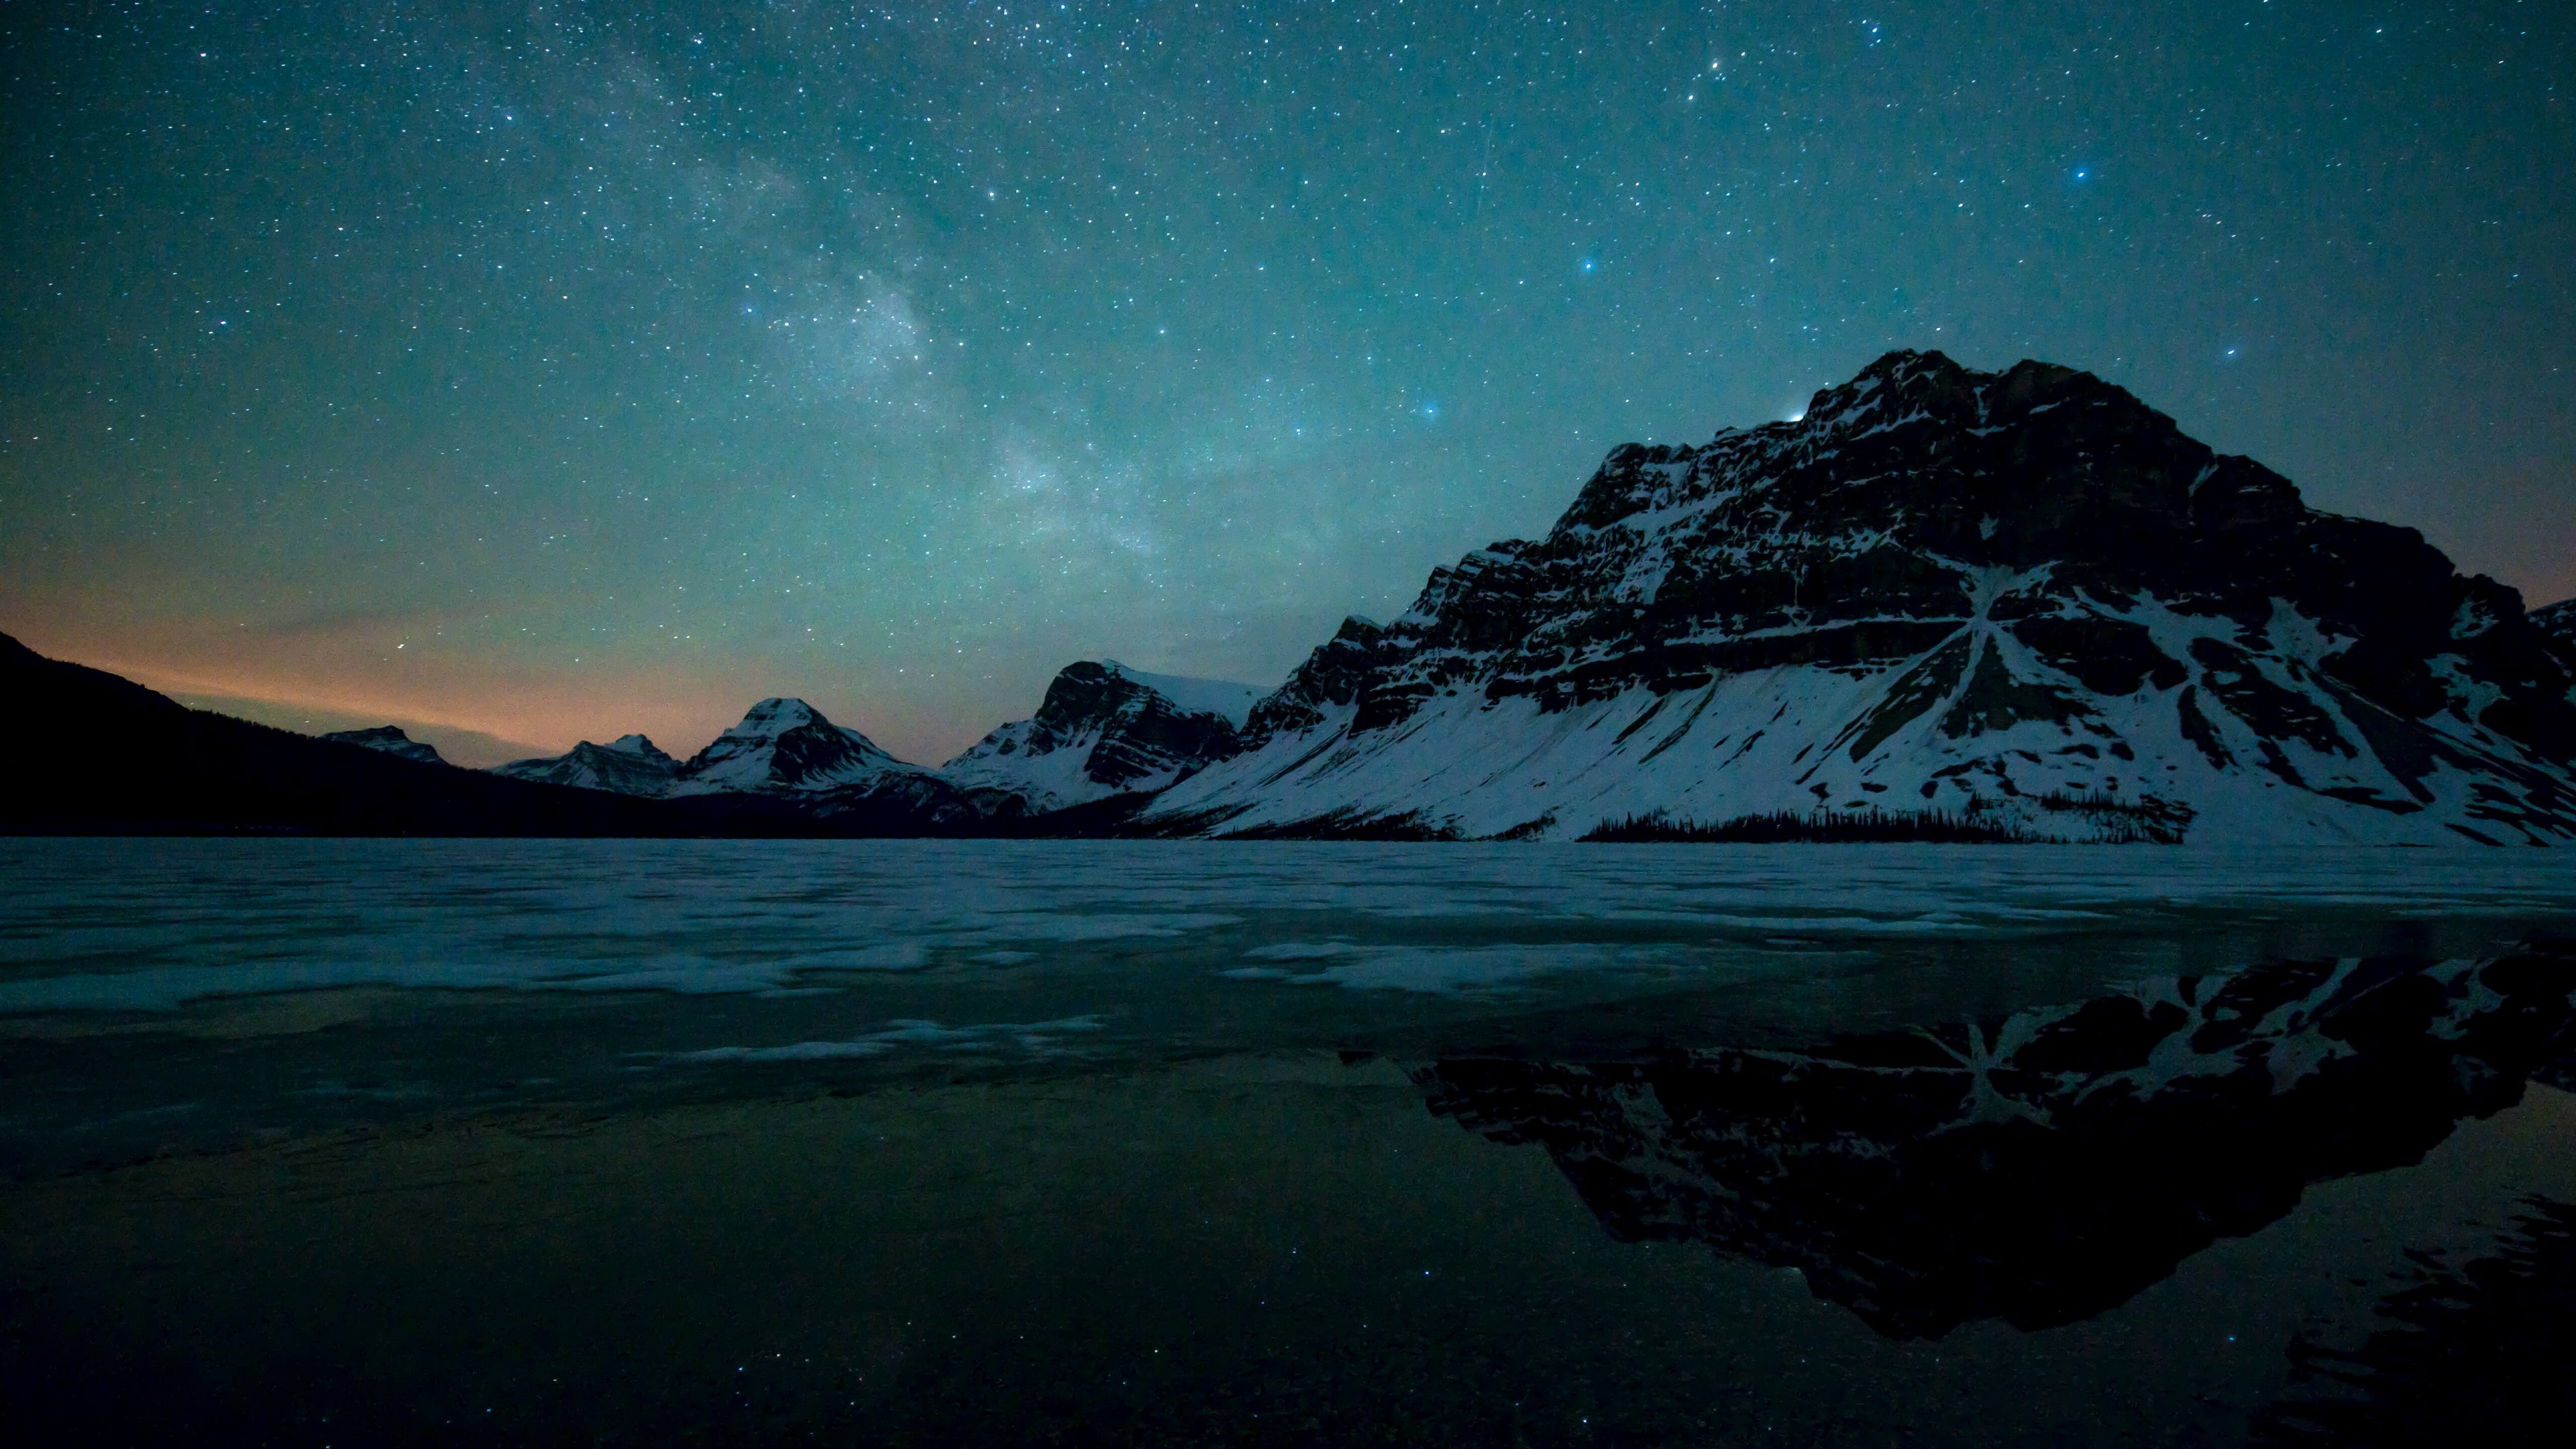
(142, 763)
(1105, 730)
(1944, 604)
(627, 765)
(391, 740)
(2017, 605)
(783, 750)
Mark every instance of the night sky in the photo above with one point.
(532, 372)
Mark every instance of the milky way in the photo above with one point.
(553, 371)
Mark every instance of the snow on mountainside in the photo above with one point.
(782, 745)
(2007, 605)
(783, 749)
(1102, 730)
(629, 765)
(1197, 696)
(392, 741)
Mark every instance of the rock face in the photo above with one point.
(784, 751)
(784, 745)
(391, 740)
(1103, 730)
(2047, 1166)
(2010, 605)
(628, 765)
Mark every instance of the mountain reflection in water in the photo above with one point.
(2474, 1354)
(2045, 1167)
(942, 1144)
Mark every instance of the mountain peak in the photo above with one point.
(1104, 729)
(1905, 386)
(391, 740)
(775, 716)
(628, 766)
(1906, 374)
(1194, 695)
(783, 749)
(2017, 602)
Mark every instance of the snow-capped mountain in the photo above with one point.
(1103, 730)
(783, 750)
(782, 745)
(628, 765)
(2002, 605)
(391, 740)
(1198, 696)
(2047, 1166)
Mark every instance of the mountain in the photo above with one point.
(786, 749)
(1197, 696)
(1944, 603)
(785, 753)
(782, 746)
(391, 740)
(2043, 1167)
(118, 758)
(1103, 730)
(628, 765)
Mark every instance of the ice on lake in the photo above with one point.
(1130, 1142)
(156, 925)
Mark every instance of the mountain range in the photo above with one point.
(1942, 604)
(1980, 605)
(113, 757)
(784, 751)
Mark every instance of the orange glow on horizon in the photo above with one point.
(520, 709)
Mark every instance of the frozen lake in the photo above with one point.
(366, 1141)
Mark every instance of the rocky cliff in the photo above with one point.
(2016, 605)
(1103, 730)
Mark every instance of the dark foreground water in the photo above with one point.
(894, 1143)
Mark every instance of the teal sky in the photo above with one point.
(536, 372)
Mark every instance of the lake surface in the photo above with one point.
(353, 1142)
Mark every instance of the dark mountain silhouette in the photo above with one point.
(391, 740)
(2045, 1167)
(2473, 1352)
(118, 758)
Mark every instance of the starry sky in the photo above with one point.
(529, 372)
